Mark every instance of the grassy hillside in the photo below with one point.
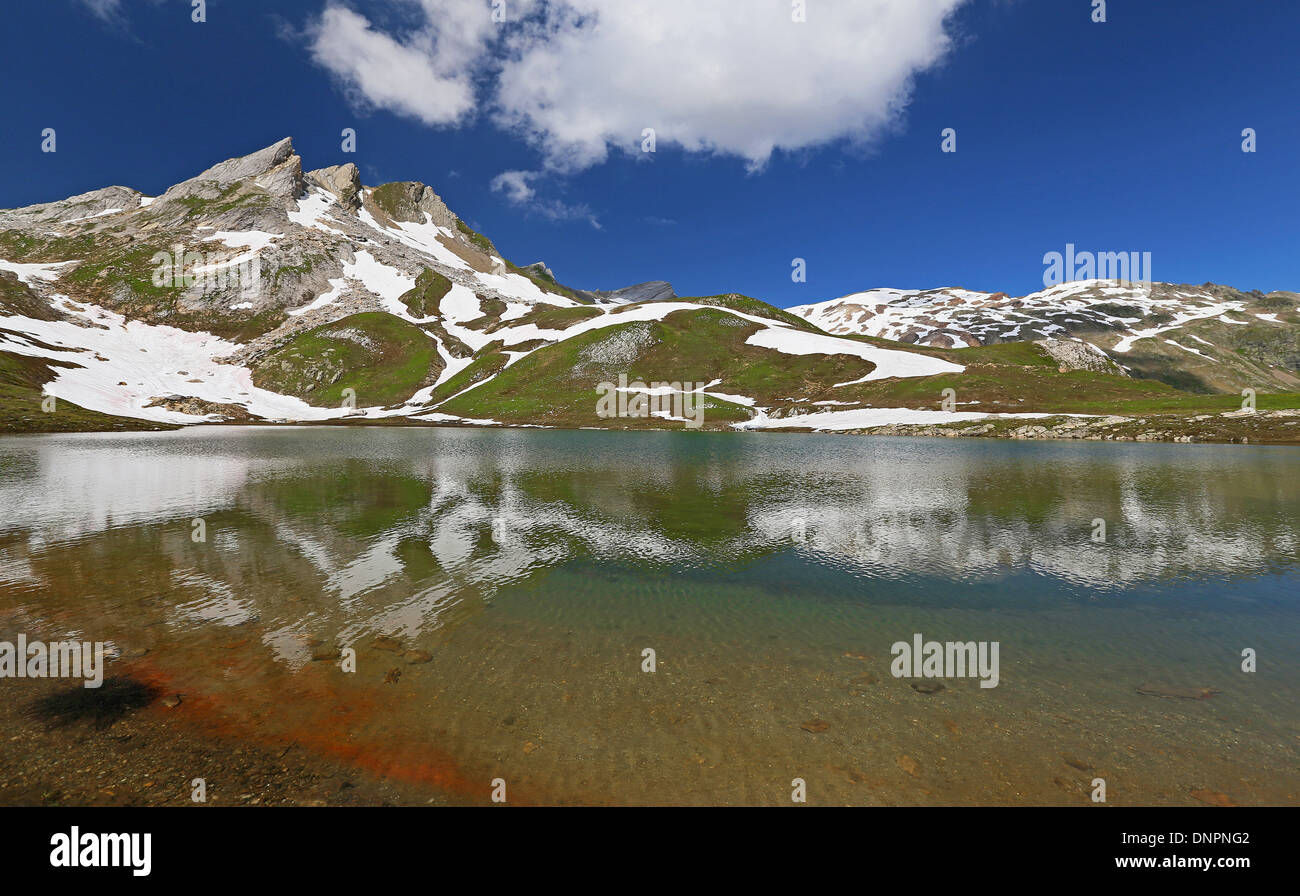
(384, 359)
(557, 384)
(425, 299)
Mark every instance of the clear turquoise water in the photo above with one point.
(769, 573)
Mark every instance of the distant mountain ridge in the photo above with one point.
(1210, 338)
(258, 291)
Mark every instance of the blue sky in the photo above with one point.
(1115, 136)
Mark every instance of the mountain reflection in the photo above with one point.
(337, 533)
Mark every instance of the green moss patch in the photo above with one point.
(549, 317)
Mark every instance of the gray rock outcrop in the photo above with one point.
(343, 181)
(1071, 355)
(650, 291)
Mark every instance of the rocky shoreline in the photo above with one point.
(1239, 427)
(1280, 427)
(127, 745)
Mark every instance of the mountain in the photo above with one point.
(257, 291)
(1200, 338)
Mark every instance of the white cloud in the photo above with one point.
(579, 77)
(427, 75)
(519, 190)
(515, 185)
(104, 9)
(738, 78)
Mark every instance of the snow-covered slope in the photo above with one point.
(256, 290)
(1164, 330)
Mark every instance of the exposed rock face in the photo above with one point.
(17, 298)
(284, 180)
(200, 408)
(85, 206)
(246, 193)
(410, 201)
(263, 167)
(539, 267)
(343, 181)
(650, 291)
(1079, 356)
(432, 203)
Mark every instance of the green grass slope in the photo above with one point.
(383, 358)
(557, 384)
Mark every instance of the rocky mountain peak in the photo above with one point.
(343, 181)
(253, 165)
(409, 202)
(275, 169)
(75, 208)
(539, 268)
(650, 291)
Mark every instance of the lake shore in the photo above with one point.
(1278, 427)
(125, 745)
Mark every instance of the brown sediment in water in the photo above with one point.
(65, 747)
(330, 734)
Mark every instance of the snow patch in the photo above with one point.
(866, 418)
(889, 362)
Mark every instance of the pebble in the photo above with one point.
(816, 726)
(1213, 798)
(910, 765)
(1078, 763)
(1161, 690)
(386, 642)
(172, 701)
(928, 687)
(418, 656)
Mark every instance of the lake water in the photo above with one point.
(500, 589)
